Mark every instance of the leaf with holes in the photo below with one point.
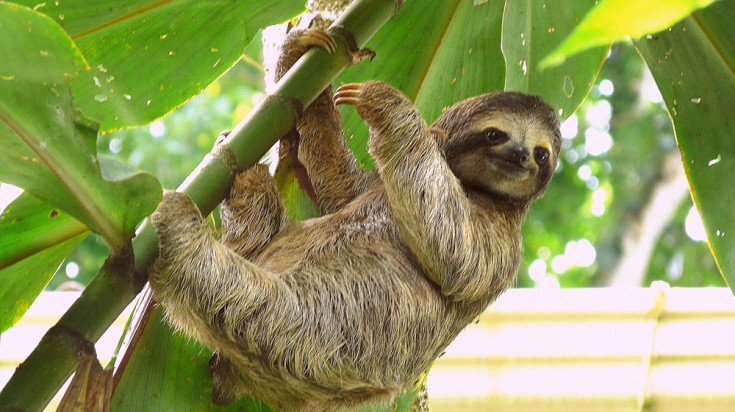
(694, 67)
(35, 237)
(29, 225)
(530, 31)
(48, 147)
(148, 57)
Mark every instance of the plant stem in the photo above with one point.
(41, 375)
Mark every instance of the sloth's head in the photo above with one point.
(503, 144)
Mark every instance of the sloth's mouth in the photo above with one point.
(507, 165)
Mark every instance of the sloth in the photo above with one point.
(350, 308)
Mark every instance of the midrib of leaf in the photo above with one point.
(414, 94)
(705, 32)
(527, 33)
(45, 241)
(529, 40)
(109, 23)
(88, 204)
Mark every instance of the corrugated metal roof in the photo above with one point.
(647, 349)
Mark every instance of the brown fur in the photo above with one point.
(350, 308)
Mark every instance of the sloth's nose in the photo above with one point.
(520, 154)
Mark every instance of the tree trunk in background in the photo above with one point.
(639, 241)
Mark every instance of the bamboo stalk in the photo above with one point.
(50, 364)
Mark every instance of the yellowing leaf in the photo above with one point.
(615, 20)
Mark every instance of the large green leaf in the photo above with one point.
(531, 29)
(436, 54)
(29, 225)
(48, 149)
(21, 283)
(147, 57)
(466, 59)
(34, 239)
(615, 20)
(694, 66)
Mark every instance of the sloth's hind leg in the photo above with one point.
(214, 295)
(253, 213)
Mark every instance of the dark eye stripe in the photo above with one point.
(495, 136)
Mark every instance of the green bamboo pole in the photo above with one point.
(50, 364)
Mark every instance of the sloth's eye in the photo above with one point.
(495, 136)
(541, 154)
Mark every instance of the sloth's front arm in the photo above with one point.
(436, 219)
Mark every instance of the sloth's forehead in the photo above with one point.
(514, 123)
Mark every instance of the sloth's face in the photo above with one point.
(510, 149)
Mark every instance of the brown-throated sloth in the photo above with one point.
(351, 307)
